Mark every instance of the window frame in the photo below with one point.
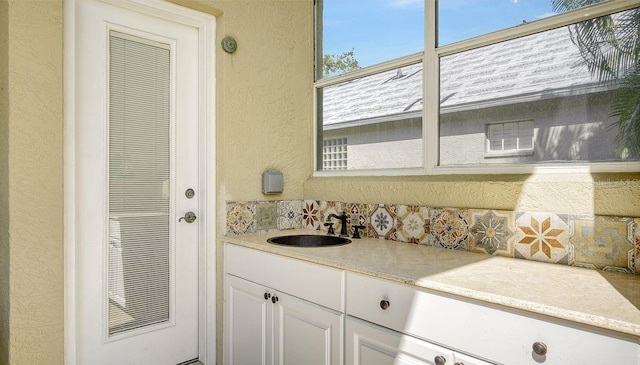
(431, 87)
(518, 151)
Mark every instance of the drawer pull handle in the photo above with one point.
(440, 360)
(540, 348)
(267, 295)
(384, 304)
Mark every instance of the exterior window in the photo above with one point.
(434, 112)
(381, 115)
(510, 138)
(334, 154)
(542, 76)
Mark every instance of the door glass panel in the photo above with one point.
(139, 174)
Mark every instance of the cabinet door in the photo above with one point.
(248, 328)
(369, 344)
(306, 333)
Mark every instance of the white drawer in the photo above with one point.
(497, 335)
(316, 283)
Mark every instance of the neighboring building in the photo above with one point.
(527, 100)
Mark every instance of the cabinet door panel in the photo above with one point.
(247, 323)
(306, 333)
(369, 344)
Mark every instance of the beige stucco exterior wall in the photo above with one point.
(264, 101)
(32, 139)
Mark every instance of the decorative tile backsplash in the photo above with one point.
(596, 242)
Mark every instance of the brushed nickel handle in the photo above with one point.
(267, 295)
(539, 348)
(189, 217)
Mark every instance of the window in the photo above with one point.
(381, 115)
(509, 138)
(334, 154)
(436, 111)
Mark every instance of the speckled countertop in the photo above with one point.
(605, 300)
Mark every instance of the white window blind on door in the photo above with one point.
(139, 268)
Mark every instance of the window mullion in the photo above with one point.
(430, 92)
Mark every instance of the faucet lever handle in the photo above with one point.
(356, 233)
(330, 225)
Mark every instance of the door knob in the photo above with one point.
(189, 217)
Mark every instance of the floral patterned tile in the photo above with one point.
(450, 228)
(311, 214)
(382, 221)
(326, 209)
(266, 216)
(412, 225)
(289, 214)
(543, 237)
(358, 216)
(604, 243)
(241, 218)
(491, 232)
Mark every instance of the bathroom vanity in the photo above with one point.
(382, 302)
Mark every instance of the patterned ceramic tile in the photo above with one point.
(326, 209)
(604, 243)
(636, 257)
(311, 214)
(266, 216)
(491, 232)
(241, 218)
(543, 237)
(382, 221)
(289, 214)
(412, 225)
(450, 228)
(358, 215)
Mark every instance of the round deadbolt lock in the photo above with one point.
(189, 193)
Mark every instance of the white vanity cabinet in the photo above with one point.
(281, 311)
(500, 336)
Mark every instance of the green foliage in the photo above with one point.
(338, 64)
(610, 47)
(626, 106)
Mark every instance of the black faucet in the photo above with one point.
(343, 223)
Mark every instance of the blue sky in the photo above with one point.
(381, 30)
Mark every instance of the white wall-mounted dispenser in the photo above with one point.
(272, 181)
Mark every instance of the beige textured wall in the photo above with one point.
(264, 97)
(4, 186)
(35, 201)
(605, 194)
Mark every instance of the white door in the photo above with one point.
(137, 154)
